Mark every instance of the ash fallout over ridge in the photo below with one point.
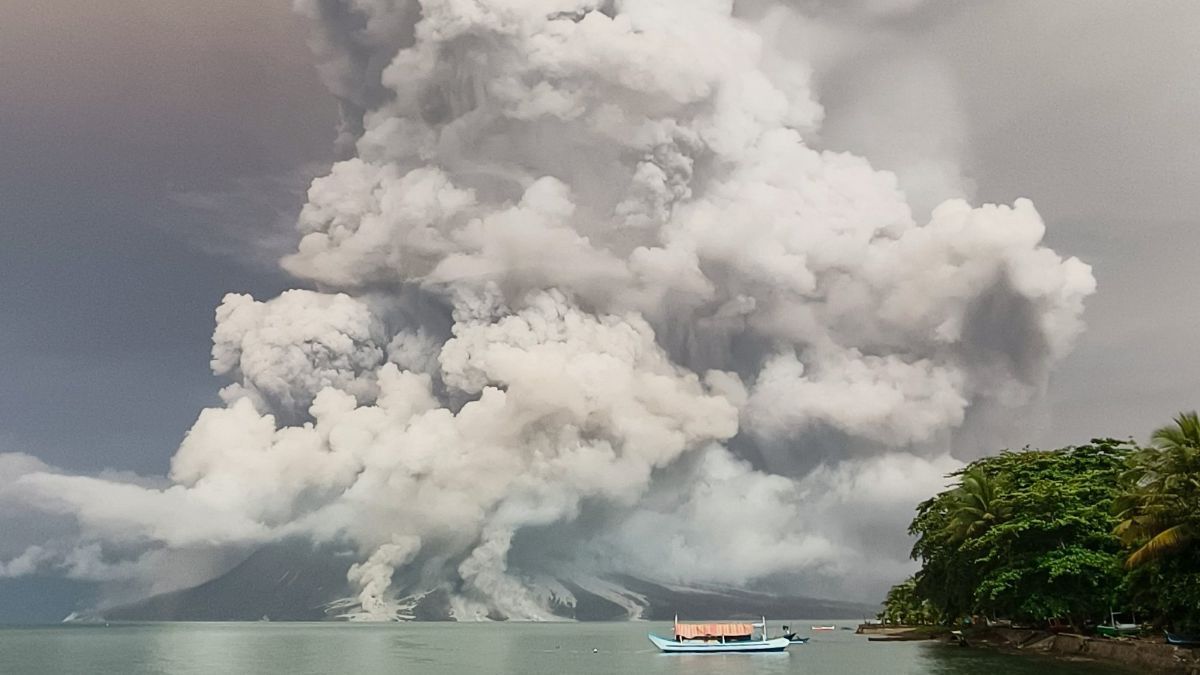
(584, 299)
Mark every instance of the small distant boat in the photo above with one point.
(824, 628)
(1182, 640)
(792, 638)
(716, 638)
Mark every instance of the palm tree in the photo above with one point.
(974, 507)
(1160, 510)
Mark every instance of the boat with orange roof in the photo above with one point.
(715, 638)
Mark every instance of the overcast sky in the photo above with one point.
(151, 152)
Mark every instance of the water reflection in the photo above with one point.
(525, 649)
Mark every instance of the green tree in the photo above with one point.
(1160, 507)
(973, 507)
(1024, 535)
(948, 574)
(1159, 513)
(904, 606)
(1068, 533)
(1055, 556)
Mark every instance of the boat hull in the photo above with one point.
(1182, 640)
(1118, 631)
(697, 647)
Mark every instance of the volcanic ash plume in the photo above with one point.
(589, 303)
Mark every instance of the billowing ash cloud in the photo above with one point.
(589, 304)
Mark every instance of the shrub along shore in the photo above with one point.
(1065, 539)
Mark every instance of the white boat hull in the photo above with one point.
(699, 647)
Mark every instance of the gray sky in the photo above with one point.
(1089, 109)
(147, 144)
(107, 112)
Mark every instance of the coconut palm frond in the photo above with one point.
(1185, 433)
(1166, 541)
(973, 506)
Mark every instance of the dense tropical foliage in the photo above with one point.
(904, 606)
(1159, 510)
(1063, 535)
(1162, 490)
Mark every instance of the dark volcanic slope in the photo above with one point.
(283, 582)
(702, 603)
(293, 582)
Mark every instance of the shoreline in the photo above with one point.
(1134, 653)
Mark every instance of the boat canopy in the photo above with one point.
(701, 630)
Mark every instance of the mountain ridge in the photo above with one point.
(294, 582)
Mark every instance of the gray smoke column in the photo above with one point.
(589, 303)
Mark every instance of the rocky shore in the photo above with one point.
(1147, 654)
(1141, 654)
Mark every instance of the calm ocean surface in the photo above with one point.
(519, 648)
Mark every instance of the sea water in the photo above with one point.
(472, 648)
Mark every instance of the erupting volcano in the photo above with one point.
(587, 301)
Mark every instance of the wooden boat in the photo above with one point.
(906, 637)
(1115, 628)
(1118, 630)
(1182, 640)
(718, 638)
